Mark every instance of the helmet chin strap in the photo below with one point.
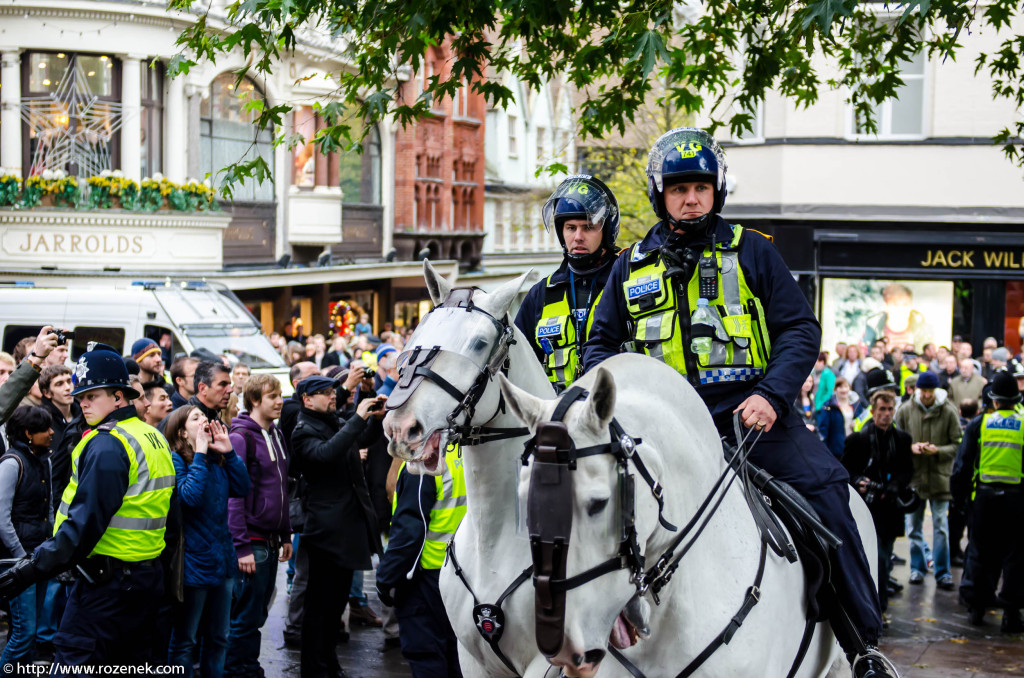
(689, 226)
(583, 264)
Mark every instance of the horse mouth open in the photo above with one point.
(632, 624)
(428, 457)
(623, 634)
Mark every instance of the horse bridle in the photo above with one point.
(550, 510)
(549, 520)
(421, 360)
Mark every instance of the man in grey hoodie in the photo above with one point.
(934, 427)
(259, 522)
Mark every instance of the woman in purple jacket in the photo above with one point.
(207, 472)
(259, 522)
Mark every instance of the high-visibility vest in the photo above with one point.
(864, 418)
(136, 532)
(1002, 439)
(447, 512)
(556, 334)
(655, 309)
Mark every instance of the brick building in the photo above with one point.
(439, 172)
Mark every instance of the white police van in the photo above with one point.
(195, 314)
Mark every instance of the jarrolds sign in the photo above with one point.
(107, 239)
(980, 260)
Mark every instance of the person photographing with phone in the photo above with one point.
(340, 533)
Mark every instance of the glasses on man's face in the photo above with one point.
(324, 392)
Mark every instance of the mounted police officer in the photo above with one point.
(555, 313)
(426, 511)
(110, 524)
(989, 466)
(717, 303)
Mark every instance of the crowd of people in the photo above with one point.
(908, 428)
(248, 480)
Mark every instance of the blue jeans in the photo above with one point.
(56, 598)
(210, 606)
(940, 538)
(356, 592)
(21, 642)
(249, 609)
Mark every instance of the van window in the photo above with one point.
(155, 332)
(111, 336)
(15, 333)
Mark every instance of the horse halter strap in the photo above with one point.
(550, 511)
(422, 359)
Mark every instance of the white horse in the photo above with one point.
(682, 449)
(486, 545)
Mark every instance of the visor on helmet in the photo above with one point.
(686, 152)
(578, 191)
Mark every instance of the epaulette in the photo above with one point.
(763, 235)
(107, 426)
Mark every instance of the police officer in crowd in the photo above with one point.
(989, 467)
(881, 465)
(426, 511)
(555, 313)
(110, 523)
(717, 303)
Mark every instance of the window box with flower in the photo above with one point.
(52, 188)
(112, 190)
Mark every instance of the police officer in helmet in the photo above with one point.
(717, 303)
(989, 466)
(555, 314)
(110, 524)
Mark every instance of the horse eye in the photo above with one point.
(596, 506)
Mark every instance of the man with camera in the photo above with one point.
(17, 386)
(340, 531)
(881, 465)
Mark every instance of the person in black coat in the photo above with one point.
(340, 533)
(880, 463)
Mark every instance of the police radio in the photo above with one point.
(707, 278)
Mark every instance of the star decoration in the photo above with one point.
(72, 125)
(81, 369)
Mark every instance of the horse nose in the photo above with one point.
(583, 665)
(402, 427)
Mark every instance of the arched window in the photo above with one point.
(228, 135)
(359, 174)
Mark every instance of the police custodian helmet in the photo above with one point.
(583, 196)
(685, 154)
(102, 367)
(1004, 387)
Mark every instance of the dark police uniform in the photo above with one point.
(773, 341)
(111, 522)
(990, 466)
(554, 316)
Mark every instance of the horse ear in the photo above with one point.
(601, 402)
(437, 286)
(528, 408)
(501, 299)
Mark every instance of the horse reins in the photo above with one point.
(552, 446)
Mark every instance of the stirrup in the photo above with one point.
(872, 653)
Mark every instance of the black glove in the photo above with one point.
(386, 596)
(18, 578)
